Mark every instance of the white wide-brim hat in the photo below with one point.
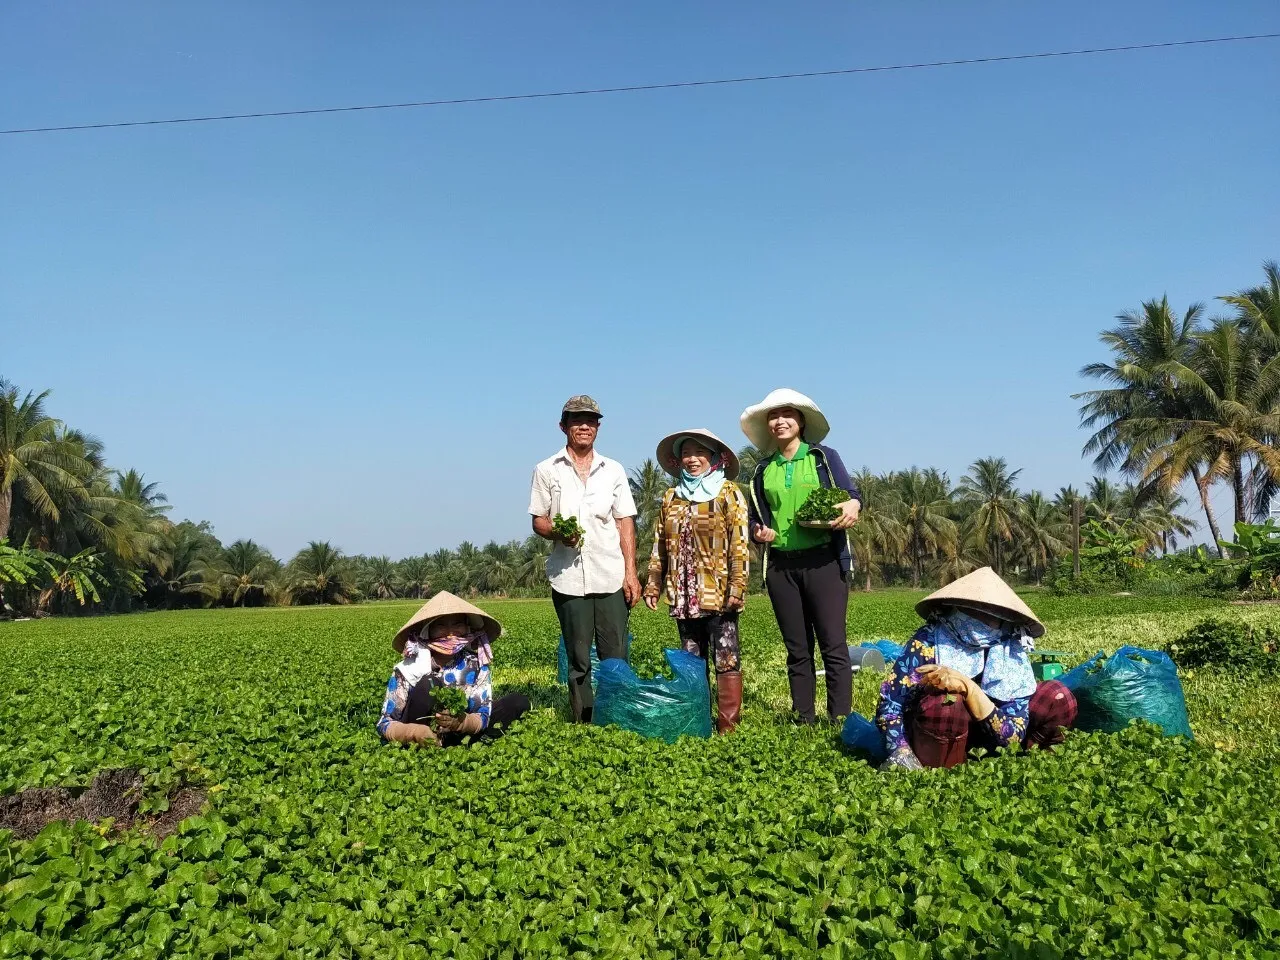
(983, 590)
(669, 459)
(445, 604)
(755, 425)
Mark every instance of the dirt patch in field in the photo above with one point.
(114, 795)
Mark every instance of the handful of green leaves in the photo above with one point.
(450, 700)
(567, 527)
(822, 504)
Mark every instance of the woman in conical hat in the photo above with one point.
(806, 571)
(446, 644)
(965, 679)
(700, 557)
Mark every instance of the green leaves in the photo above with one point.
(567, 527)
(572, 841)
(821, 504)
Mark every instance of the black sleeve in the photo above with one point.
(840, 476)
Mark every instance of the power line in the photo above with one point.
(639, 88)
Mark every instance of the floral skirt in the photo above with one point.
(713, 637)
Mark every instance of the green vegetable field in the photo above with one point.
(320, 841)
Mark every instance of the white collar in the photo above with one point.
(597, 460)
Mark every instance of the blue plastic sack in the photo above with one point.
(892, 651)
(658, 708)
(563, 674)
(1133, 684)
(859, 733)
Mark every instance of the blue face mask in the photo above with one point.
(998, 654)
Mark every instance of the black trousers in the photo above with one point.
(421, 708)
(599, 618)
(810, 598)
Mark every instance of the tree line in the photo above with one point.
(1184, 398)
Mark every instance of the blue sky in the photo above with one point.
(361, 327)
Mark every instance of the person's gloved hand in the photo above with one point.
(415, 733)
(902, 759)
(468, 725)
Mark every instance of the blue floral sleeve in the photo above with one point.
(393, 705)
(902, 688)
(1008, 721)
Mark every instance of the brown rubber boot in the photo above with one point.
(728, 700)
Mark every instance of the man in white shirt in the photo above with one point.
(593, 576)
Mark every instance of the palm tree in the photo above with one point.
(532, 570)
(748, 458)
(246, 572)
(413, 577)
(378, 578)
(989, 494)
(879, 537)
(1231, 420)
(1043, 532)
(441, 575)
(189, 566)
(78, 576)
(1148, 347)
(648, 484)
(36, 466)
(1258, 309)
(1103, 503)
(926, 507)
(320, 574)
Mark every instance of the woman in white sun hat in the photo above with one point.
(806, 571)
(700, 558)
(446, 644)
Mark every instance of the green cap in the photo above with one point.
(580, 404)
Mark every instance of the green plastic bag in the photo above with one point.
(1133, 684)
(659, 708)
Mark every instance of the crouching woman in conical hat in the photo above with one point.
(965, 679)
(700, 557)
(446, 644)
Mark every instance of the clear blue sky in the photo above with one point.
(361, 327)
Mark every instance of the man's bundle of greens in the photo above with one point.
(567, 527)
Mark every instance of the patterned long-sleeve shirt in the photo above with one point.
(1007, 723)
(716, 547)
(467, 673)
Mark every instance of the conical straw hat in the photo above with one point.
(985, 591)
(755, 419)
(670, 462)
(445, 604)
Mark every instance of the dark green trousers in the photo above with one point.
(600, 618)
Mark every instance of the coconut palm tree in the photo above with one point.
(189, 566)
(879, 537)
(1230, 422)
(926, 517)
(648, 484)
(1143, 402)
(246, 572)
(378, 578)
(748, 458)
(1042, 533)
(38, 468)
(988, 493)
(531, 573)
(320, 574)
(412, 577)
(1258, 308)
(1103, 503)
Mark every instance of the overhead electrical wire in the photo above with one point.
(638, 88)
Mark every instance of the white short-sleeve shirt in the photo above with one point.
(596, 565)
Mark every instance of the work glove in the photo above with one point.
(415, 733)
(468, 725)
(902, 759)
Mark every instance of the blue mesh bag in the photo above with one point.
(563, 674)
(659, 708)
(1131, 684)
(859, 733)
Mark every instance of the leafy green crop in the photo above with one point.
(450, 700)
(822, 504)
(1228, 643)
(578, 841)
(568, 527)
